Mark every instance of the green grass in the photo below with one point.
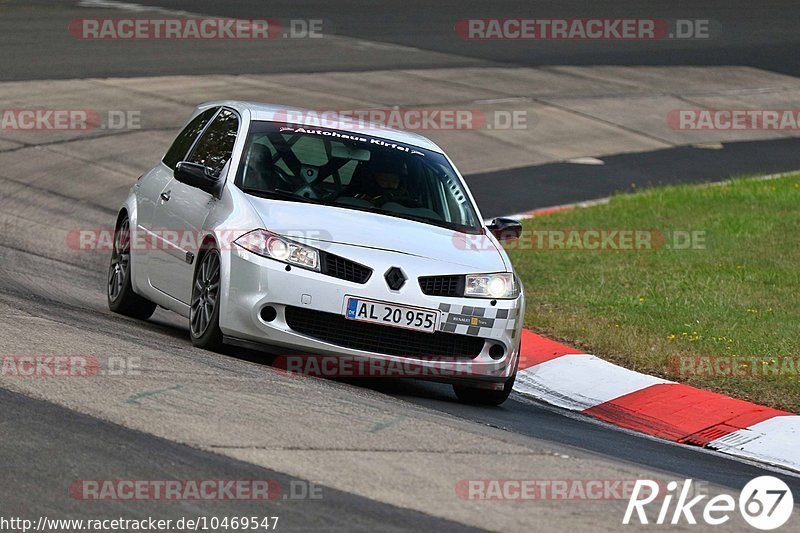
(739, 295)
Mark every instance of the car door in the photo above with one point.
(156, 181)
(181, 210)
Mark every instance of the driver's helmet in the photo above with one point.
(384, 173)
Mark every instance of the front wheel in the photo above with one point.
(485, 396)
(204, 311)
(121, 298)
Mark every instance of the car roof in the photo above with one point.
(310, 118)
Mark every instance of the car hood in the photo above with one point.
(313, 224)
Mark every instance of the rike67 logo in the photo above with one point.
(765, 503)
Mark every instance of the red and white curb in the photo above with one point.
(565, 377)
(557, 208)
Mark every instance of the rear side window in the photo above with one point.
(215, 147)
(183, 142)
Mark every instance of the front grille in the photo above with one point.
(442, 285)
(336, 329)
(339, 267)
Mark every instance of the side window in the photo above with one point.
(215, 147)
(183, 142)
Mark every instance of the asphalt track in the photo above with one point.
(764, 36)
(521, 189)
(40, 484)
(403, 35)
(194, 415)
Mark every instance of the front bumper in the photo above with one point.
(255, 282)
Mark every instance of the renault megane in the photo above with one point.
(353, 240)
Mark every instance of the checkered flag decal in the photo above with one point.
(484, 322)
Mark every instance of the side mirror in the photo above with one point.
(505, 229)
(197, 175)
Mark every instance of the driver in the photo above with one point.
(383, 180)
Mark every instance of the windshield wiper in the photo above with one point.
(405, 215)
(279, 194)
(415, 218)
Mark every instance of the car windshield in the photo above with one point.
(354, 171)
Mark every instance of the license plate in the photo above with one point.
(399, 316)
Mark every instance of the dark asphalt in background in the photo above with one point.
(36, 44)
(517, 190)
(762, 34)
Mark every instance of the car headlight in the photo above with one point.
(268, 244)
(501, 286)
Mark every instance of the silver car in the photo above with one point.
(352, 242)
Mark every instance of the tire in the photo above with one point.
(477, 396)
(119, 291)
(204, 311)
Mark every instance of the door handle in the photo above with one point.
(165, 196)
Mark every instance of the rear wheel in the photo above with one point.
(204, 311)
(477, 396)
(121, 298)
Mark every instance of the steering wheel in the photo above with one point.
(402, 199)
(288, 180)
